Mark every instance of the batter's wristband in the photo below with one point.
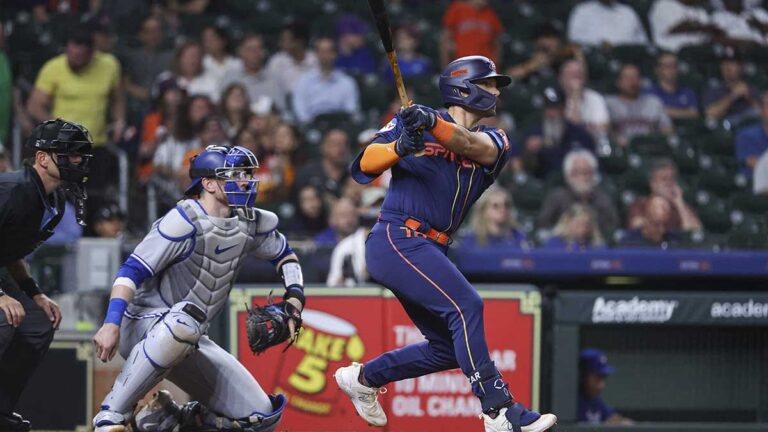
(29, 286)
(443, 130)
(117, 307)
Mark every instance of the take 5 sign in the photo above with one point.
(356, 325)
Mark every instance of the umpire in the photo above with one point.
(31, 205)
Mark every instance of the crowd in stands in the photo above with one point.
(640, 123)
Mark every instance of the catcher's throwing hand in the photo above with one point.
(419, 117)
(106, 341)
(273, 324)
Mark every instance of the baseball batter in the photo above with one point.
(176, 280)
(441, 163)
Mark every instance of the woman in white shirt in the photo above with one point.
(583, 106)
(217, 61)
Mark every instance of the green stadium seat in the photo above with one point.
(636, 180)
(715, 143)
(528, 193)
(714, 212)
(702, 240)
(615, 162)
(751, 234)
(720, 182)
(373, 93)
(748, 202)
(650, 145)
(690, 127)
(686, 159)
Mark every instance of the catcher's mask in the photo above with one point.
(237, 167)
(69, 145)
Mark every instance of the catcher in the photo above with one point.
(176, 280)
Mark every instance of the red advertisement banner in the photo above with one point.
(342, 326)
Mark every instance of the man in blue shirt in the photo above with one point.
(547, 143)
(594, 370)
(752, 141)
(679, 102)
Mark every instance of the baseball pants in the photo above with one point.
(22, 348)
(440, 302)
(210, 375)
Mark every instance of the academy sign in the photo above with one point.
(633, 310)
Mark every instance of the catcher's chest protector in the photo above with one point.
(206, 276)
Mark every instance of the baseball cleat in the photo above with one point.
(535, 422)
(109, 421)
(365, 399)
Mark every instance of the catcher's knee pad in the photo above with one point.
(175, 337)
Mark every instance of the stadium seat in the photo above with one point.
(615, 162)
(714, 212)
(528, 192)
(636, 180)
(373, 92)
(650, 145)
(715, 143)
(702, 240)
(748, 202)
(750, 234)
(686, 159)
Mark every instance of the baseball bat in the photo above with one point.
(382, 24)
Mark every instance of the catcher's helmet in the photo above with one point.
(457, 83)
(64, 138)
(236, 166)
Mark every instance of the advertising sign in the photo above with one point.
(356, 325)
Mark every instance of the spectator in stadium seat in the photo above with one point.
(633, 113)
(325, 90)
(217, 60)
(235, 108)
(732, 98)
(310, 217)
(159, 123)
(577, 230)
(411, 62)
(343, 221)
(582, 178)
(169, 157)
(277, 169)
(664, 184)
(546, 144)
(605, 22)
(355, 57)
(593, 372)
(294, 59)
(145, 63)
(471, 27)
(493, 222)
(583, 106)
(348, 267)
(211, 132)
(108, 222)
(743, 24)
(677, 24)
(188, 69)
(752, 142)
(653, 231)
(260, 84)
(548, 56)
(679, 102)
(81, 85)
(329, 173)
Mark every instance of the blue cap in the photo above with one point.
(592, 360)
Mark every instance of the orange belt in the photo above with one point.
(431, 234)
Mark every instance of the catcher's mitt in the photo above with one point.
(267, 326)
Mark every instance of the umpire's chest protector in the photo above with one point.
(206, 275)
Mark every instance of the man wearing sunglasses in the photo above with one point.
(31, 205)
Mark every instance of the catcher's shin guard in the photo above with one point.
(166, 344)
(195, 417)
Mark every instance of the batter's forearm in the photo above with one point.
(474, 146)
(378, 158)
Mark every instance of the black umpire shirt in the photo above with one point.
(27, 215)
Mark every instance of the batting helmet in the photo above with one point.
(64, 138)
(457, 83)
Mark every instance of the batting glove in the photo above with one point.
(409, 142)
(419, 117)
